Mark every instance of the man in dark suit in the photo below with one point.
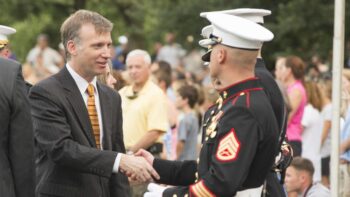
(78, 121)
(17, 143)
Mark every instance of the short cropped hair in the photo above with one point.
(136, 52)
(72, 25)
(303, 164)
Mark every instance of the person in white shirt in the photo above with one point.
(50, 58)
(311, 120)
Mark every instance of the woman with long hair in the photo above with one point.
(290, 71)
(311, 137)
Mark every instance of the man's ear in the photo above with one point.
(221, 55)
(303, 176)
(72, 47)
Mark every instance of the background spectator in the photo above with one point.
(51, 59)
(188, 128)
(299, 179)
(326, 122)
(290, 71)
(312, 129)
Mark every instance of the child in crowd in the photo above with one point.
(188, 127)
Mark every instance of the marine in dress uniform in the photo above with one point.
(240, 137)
(273, 187)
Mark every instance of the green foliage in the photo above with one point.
(27, 32)
(300, 27)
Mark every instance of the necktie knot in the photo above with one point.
(90, 90)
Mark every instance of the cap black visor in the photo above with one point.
(206, 56)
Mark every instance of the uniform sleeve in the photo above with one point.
(21, 140)
(157, 114)
(233, 151)
(175, 172)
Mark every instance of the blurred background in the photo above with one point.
(301, 27)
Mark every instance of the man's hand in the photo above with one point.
(147, 155)
(137, 168)
(154, 190)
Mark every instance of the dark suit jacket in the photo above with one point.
(68, 163)
(16, 134)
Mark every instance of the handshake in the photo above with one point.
(138, 167)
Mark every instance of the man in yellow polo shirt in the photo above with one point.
(144, 106)
(144, 109)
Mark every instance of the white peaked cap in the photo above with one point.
(236, 32)
(4, 31)
(206, 31)
(255, 15)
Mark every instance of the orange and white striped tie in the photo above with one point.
(93, 115)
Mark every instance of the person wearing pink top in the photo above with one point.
(290, 71)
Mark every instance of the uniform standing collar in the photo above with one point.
(242, 86)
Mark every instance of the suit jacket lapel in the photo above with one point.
(76, 100)
(106, 116)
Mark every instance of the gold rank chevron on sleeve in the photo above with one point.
(229, 147)
(200, 190)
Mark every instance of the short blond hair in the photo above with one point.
(72, 25)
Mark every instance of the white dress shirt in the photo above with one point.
(82, 86)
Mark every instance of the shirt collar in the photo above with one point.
(130, 93)
(80, 81)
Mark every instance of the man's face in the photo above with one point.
(180, 102)
(92, 52)
(4, 52)
(138, 69)
(293, 180)
(42, 43)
